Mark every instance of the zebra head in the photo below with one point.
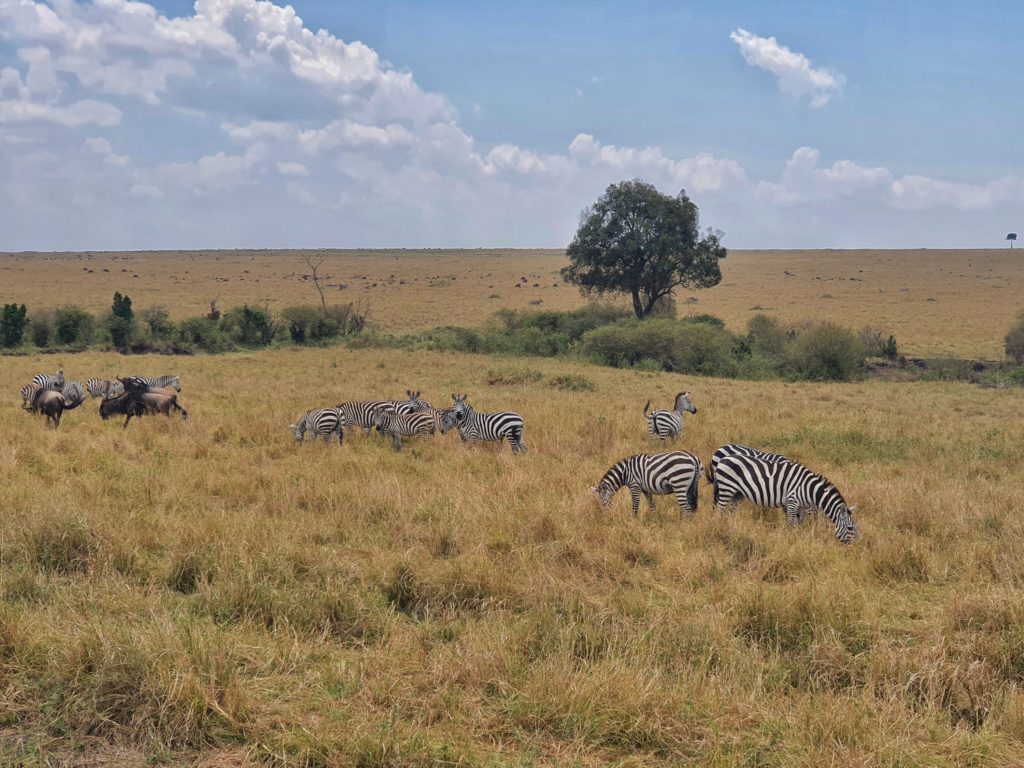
(683, 403)
(418, 404)
(846, 528)
(379, 415)
(446, 420)
(604, 494)
(461, 408)
(299, 429)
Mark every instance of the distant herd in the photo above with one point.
(737, 472)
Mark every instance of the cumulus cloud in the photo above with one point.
(794, 72)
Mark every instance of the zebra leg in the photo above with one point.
(634, 497)
(650, 500)
(792, 513)
(683, 499)
(396, 442)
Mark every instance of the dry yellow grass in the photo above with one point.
(955, 303)
(208, 592)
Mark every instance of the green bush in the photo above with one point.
(705, 319)
(679, 346)
(311, 325)
(766, 337)
(247, 325)
(13, 322)
(826, 352)
(73, 326)
(1014, 341)
(204, 334)
(158, 323)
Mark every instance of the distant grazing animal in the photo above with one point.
(161, 382)
(46, 381)
(325, 422)
(140, 403)
(52, 404)
(103, 387)
(735, 449)
(653, 474)
(398, 425)
(668, 424)
(359, 413)
(785, 484)
(496, 427)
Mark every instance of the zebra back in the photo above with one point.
(735, 449)
(46, 381)
(97, 387)
(657, 474)
(319, 421)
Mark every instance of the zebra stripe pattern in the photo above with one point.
(104, 387)
(654, 474)
(785, 484)
(418, 404)
(160, 382)
(359, 413)
(28, 393)
(668, 424)
(495, 427)
(325, 422)
(397, 425)
(735, 449)
(46, 381)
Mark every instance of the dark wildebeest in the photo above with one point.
(52, 404)
(138, 400)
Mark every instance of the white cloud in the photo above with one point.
(793, 70)
(100, 146)
(922, 192)
(292, 169)
(346, 133)
(79, 113)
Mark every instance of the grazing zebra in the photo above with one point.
(104, 387)
(324, 422)
(161, 382)
(359, 413)
(665, 424)
(653, 474)
(46, 381)
(397, 425)
(785, 484)
(488, 426)
(735, 449)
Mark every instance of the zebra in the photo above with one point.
(396, 425)
(97, 387)
(28, 393)
(46, 381)
(359, 413)
(324, 422)
(785, 484)
(735, 449)
(488, 426)
(665, 424)
(653, 474)
(161, 382)
(418, 403)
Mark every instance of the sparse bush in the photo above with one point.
(1014, 341)
(766, 337)
(204, 334)
(73, 326)
(512, 376)
(827, 352)
(158, 323)
(13, 322)
(40, 328)
(572, 382)
(250, 326)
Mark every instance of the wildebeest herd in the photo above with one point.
(49, 395)
(737, 472)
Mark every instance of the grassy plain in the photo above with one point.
(936, 302)
(209, 593)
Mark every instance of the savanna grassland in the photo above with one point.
(936, 302)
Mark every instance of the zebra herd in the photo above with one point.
(414, 417)
(137, 396)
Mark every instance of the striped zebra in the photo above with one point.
(418, 403)
(396, 425)
(653, 474)
(46, 381)
(97, 387)
(475, 426)
(668, 424)
(735, 449)
(359, 413)
(161, 382)
(785, 484)
(28, 393)
(325, 422)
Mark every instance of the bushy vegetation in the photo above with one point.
(152, 330)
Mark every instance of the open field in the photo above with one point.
(955, 303)
(206, 592)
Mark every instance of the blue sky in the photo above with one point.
(238, 123)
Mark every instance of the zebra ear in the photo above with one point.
(455, 397)
(852, 508)
(408, 392)
(593, 489)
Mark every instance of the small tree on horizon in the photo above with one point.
(1011, 237)
(638, 241)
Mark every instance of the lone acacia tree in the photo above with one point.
(638, 241)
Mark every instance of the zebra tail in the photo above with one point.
(709, 474)
(646, 407)
(693, 491)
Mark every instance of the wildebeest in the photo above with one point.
(52, 404)
(138, 400)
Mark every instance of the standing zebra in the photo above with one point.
(397, 425)
(46, 381)
(653, 474)
(735, 449)
(161, 382)
(325, 422)
(359, 413)
(418, 403)
(488, 426)
(665, 424)
(783, 484)
(104, 387)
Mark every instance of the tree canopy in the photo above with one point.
(636, 240)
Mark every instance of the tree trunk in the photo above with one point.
(637, 306)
